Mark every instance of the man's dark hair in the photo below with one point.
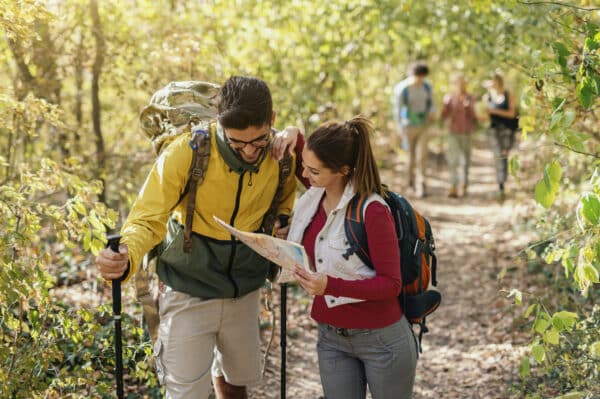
(419, 68)
(243, 102)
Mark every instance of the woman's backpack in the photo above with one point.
(418, 262)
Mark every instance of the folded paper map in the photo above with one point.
(284, 253)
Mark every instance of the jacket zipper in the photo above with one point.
(236, 290)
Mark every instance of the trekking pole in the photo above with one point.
(113, 243)
(283, 333)
(283, 221)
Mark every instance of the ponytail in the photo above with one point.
(339, 145)
(365, 176)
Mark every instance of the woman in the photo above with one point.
(364, 339)
(460, 111)
(502, 109)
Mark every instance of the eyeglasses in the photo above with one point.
(259, 142)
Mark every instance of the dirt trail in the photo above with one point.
(471, 350)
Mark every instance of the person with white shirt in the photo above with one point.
(364, 338)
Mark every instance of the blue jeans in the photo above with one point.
(385, 359)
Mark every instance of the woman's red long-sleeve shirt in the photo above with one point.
(381, 307)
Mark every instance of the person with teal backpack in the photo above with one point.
(414, 111)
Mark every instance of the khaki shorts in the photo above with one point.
(195, 333)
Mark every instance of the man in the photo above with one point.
(413, 112)
(209, 298)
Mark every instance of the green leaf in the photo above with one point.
(595, 350)
(541, 325)
(551, 336)
(554, 171)
(590, 208)
(524, 367)
(567, 319)
(591, 273)
(538, 353)
(530, 309)
(543, 194)
(561, 53)
(557, 103)
(79, 208)
(569, 117)
(555, 119)
(591, 44)
(575, 140)
(585, 92)
(547, 187)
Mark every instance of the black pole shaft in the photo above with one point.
(283, 222)
(113, 244)
(283, 334)
(116, 292)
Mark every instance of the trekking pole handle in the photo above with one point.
(113, 242)
(283, 220)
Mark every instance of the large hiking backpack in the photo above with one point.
(418, 262)
(177, 108)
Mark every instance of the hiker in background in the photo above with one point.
(502, 111)
(413, 113)
(364, 339)
(209, 298)
(459, 110)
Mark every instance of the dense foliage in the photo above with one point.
(75, 74)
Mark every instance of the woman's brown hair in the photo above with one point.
(338, 144)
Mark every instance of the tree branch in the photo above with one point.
(578, 152)
(557, 3)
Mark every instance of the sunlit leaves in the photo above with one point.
(547, 188)
(595, 350)
(524, 367)
(538, 352)
(590, 208)
(564, 320)
(585, 91)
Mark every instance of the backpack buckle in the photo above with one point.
(195, 133)
(197, 172)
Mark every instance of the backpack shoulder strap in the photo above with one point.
(406, 209)
(200, 144)
(356, 232)
(404, 95)
(285, 169)
(429, 103)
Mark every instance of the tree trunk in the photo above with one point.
(96, 71)
(78, 107)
